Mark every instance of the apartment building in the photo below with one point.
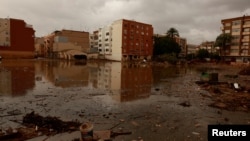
(192, 48)
(16, 39)
(182, 42)
(93, 40)
(126, 40)
(239, 28)
(67, 44)
(209, 46)
(105, 41)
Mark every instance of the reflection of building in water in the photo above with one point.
(126, 81)
(104, 76)
(136, 82)
(16, 78)
(68, 74)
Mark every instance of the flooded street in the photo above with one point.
(150, 102)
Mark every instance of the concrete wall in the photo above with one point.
(116, 45)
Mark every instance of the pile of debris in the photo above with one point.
(36, 125)
(245, 71)
(228, 96)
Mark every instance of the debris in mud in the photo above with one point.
(245, 71)
(36, 125)
(49, 122)
(185, 104)
(228, 96)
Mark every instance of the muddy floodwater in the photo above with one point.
(148, 102)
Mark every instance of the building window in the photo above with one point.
(131, 37)
(236, 30)
(125, 31)
(227, 31)
(238, 22)
(228, 24)
(107, 33)
(246, 29)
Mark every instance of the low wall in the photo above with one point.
(17, 55)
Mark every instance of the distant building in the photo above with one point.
(67, 44)
(126, 40)
(93, 41)
(16, 39)
(192, 49)
(183, 44)
(239, 28)
(39, 47)
(209, 46)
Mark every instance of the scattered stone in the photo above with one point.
(195, 133)
(185, 104)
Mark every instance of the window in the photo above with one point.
(238, 22)
(125, 31)
(227, 31)
(236, 30)
(228, 24)
(246, 29)
(107, 33)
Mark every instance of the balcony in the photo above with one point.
(246, 25)
(245, 40)
(246, 33)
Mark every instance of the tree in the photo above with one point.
(165, 45)
(222, 41)
(202, 53)
(172, 32)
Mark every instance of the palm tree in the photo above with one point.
(223, 40)
(172, 32)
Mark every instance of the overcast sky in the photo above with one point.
(196, 20)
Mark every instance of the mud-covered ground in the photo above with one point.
(176, 107)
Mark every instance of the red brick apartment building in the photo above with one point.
(127, 40)
(16, 39)
(239, 28)
(137, 39)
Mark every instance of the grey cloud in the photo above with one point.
(196, 20)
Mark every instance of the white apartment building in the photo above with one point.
(4, 32)
(125, 40)
(104, 41)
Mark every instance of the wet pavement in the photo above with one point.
(151, 102)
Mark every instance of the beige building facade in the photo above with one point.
(67, 44)
(239, 28)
